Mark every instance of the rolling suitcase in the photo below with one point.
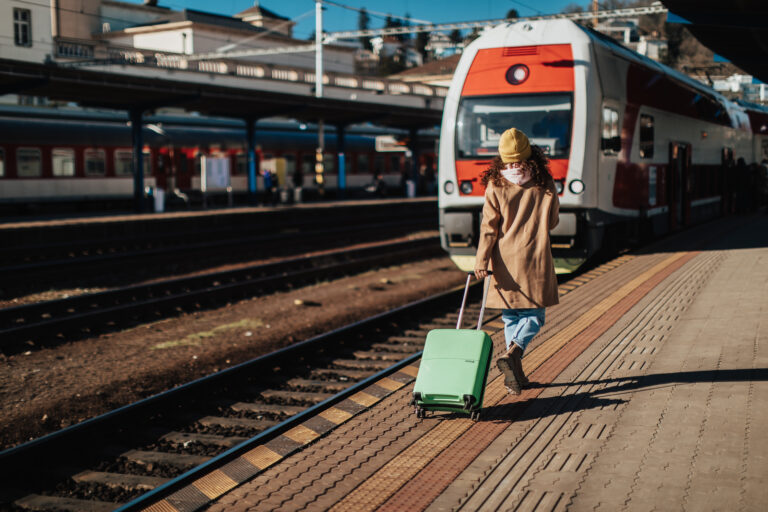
(454, 366)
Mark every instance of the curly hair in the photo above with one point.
(537, 164)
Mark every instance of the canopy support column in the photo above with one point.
(250, 129)
(138, 160)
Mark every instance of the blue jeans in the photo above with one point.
(521, 325)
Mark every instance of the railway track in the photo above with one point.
(115, 458)
(40, 324)
(88, 265)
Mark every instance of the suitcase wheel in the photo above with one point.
(420, 412)
(475, 415)
(468, 401)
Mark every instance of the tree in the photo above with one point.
(512, 13)
(363, 21)
(572, 8)
(455, 36)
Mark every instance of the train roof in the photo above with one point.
(111, 116)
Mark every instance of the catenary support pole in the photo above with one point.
(250, 130)
(341, 160)
(138, 160)
(413, 145)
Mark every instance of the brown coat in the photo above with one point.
(514, 238)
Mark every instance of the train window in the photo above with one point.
(646, 136)
(546, 118)
(363, 163)
(329, 163)
(123, 162)
(2, 163)
(29, 163)
(290, 164)
(308, 164)
(378, 164)
(63, 162)
(95, 162)
(611, 141)
(241, 163)
(394, 164)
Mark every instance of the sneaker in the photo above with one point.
(504, 364)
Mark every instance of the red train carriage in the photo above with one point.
(635, 147)
(52, 156)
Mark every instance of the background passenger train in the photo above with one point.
(636, 148)
(54, 157)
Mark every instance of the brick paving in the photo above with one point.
(661, 409)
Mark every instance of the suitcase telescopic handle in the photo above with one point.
(486, 285)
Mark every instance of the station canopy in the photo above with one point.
(735, 29)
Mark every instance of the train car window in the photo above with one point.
(95, 162)
(546, 118)
(2, 163)
(394, 164)
(378, 164)
(146, 162)
(290, 164)
(29, 163)
(241, 164)
(63, 162)
(329, 163)
(363, 163)
(308, 164)
(611, 140)
(646, 136)
(123, 162)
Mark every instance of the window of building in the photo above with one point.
(646, 136)
(611, 141)
(29, 163)
(63, 162)
(22, 27)
(2, 163)
(95, 162)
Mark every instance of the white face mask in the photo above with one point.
(516, 173)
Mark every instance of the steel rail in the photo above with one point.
(14, 277)
(110, 306)
(58, 448)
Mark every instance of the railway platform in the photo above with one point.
(650, 389)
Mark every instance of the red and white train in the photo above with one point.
(633, 144)
(51, 157)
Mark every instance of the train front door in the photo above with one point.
(678, 184)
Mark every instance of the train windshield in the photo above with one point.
(545, 118)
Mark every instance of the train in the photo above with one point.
(636, 148)
(52, 157)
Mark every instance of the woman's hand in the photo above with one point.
(481, 273)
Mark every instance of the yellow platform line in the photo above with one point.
(394, 474)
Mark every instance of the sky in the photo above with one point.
(337, 18)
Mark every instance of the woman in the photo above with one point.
(521, 206)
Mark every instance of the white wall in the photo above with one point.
(42, 42)
(175, 41)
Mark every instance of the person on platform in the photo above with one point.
(521, 207)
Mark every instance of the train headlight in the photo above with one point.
(466, 187)
(518, 74)
(449, 187)
(559, 186)
(576, 186)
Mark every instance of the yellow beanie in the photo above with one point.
(514, 146)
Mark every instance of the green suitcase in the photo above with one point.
(454, 366)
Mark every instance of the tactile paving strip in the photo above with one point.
(213, 485)
(407, 481)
